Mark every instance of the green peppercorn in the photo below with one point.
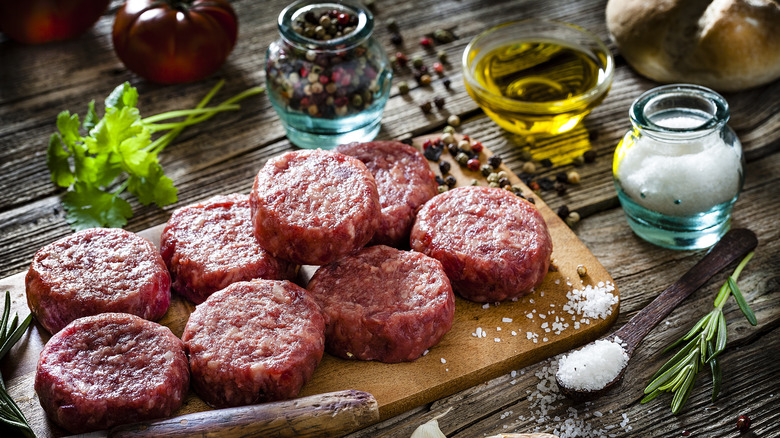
(453, 120)
(449, 130)
(462, 158)
(417, 62)
(493, 177)
(392, 26)
(474, 182)
(443, 36)
(485, 169)
(403, 87)
(493, 184)
(442, 55)
(357, 100)
(443, 188)
(528, 167)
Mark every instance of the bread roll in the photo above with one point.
(727, 45)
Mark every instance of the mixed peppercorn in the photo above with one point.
(327, 82)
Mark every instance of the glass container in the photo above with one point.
(327, 77)
(679, 171)
(537, 77)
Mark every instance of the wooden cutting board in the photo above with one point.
(462, 359)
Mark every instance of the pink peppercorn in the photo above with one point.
(426, 42)
(477, 147)
(438, 67)
(343, 19)
(473, 164)
(428, 143)
(324, 80)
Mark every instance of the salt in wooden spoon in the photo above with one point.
(732, 246)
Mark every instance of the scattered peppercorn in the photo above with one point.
(438, 67)
(444, 167)
(425, 79)
(447, 137)
(452, 149)
(396, 39)
(743, 423)
(572, 218)
(503, 182)
(403, 87)
(442, 188)
(440, 180)
(442, 56)
(449, 129)
(453, 120)
(426, 107)
(494, 161)
(446, 82)
(493, 177)
(582, 271)
(474, 182)
(450, 181)
(561, 188)
(528, 167)
(417, 62)
(439, 102)
(473, 164)
(563, 211)
(433, 153)
(485, 169)
(443, 36)
(578, 161)
(392, 25)
(401, 59)
(477, 147)
(589, 156)
(426, 42)
(573, 177)
(462, 158)
(494, 185)
(406, 140)
(546, 162)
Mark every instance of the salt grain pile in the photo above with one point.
(592, 367)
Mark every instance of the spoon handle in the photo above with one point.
(732, 246)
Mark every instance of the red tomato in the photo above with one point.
(41, 21)
(174, 41)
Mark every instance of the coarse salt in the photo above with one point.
(593, 366)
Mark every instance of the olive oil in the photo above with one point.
(546, 87)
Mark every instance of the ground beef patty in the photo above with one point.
(254, 341)
(95, 271)
(404, 180)
(493, 245)
(313, 207)
(209, 245)
(110, 369)
(383, 304)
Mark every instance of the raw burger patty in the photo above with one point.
(383, 304)
(210, 245)
(110, 369)
(313, 207)
(95, 271)
(254, 341)
(493, 245)
(404, 181)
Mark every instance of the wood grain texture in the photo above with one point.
(36, 82)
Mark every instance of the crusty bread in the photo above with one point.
(727, 45)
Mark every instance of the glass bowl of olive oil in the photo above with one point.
(537, 77)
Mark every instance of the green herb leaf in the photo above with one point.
(715, 369)
(119, 145)
(10, 333)
(154, 187)
(751, 317)
(88, 207)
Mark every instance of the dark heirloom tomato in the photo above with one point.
(174, 41)
(41, 21)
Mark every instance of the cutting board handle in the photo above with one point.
(329, 414)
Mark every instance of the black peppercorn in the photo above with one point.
(563, 212)
(439, 102)
(396, 39)
(440, 180)
(446, 82)
(451, 181)
(433, 153)
(589, 156)
(494, 161)
(444, 167)
(426, 107)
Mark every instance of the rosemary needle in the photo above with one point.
(10, 332)
(703, 343)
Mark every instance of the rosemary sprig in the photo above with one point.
(703, 343)
(10, 332)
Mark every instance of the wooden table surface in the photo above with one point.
(223, 154)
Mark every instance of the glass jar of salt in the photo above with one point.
(679, 171)
(328, 78)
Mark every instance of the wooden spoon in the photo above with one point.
(732, 246)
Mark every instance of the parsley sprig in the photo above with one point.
(118, 154)
(10, 332)
(705, 341)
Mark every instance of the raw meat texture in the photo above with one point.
(493, 245)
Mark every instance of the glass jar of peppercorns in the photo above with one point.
(327, 77)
